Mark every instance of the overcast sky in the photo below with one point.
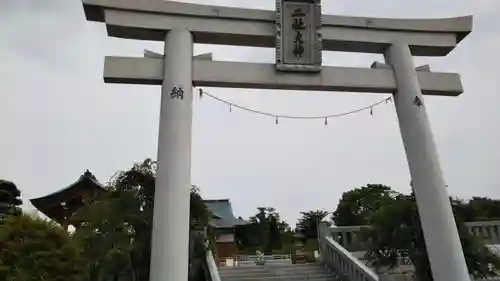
(58, 118)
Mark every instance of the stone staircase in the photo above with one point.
(277, 272)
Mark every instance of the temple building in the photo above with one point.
(61, 205)
(225, 223)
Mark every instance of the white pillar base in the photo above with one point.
(441, 236)
(170, 241)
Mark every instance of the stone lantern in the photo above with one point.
(299, 256)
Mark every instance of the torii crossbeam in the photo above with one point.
(299, 33)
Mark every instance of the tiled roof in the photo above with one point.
(87, 176)
(86, 181)
(223, 214)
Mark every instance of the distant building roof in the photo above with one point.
(60, 204)
(223, 214)
(87, 180)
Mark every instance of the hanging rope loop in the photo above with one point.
(278, 116)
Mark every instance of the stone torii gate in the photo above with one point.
(299, 32)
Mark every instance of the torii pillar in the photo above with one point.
(443, 244)
(170, 240)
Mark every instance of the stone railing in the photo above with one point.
(212, 266)
(343, 251)
(487, 279)
(348, 236)
(340, 260)
(489, 231)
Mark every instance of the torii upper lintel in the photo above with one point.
(151, 19)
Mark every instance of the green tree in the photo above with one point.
(115, 229)
(106, 235)
(485, 208)
(274, 235)
(396, 232)
(476, 209)
(357, 206)
(9, 199)
(36, 250)
(309, 221)
(247, 238)
(261, 229)
(269, 232)
(462, 209)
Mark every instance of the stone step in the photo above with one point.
(289, 272)
(283, 278)
(270, 275)
(265, 267)
(273, 273)
(256, 275)
(272, 266)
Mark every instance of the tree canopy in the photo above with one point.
(477, 209)
(358, 205)
(32, 249)
(10, 201)
(395, 231)
(309, 222)
(267, 233)
(115, 229)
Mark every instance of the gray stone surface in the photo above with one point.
(150, 19)
(263, 76)
(277, 272)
